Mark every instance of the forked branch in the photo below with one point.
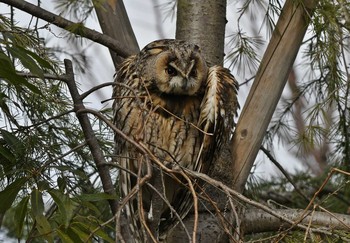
(90, 137)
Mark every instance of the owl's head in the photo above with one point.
(173, 67)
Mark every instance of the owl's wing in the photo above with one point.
(119, 93)
(125, 154)
(218, 108)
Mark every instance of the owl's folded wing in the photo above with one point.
(218, 108)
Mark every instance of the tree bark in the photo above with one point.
(268, 86)
(96, 152)
(203, 23)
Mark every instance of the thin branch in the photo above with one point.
(114, 128)
(128, 197)
(47, 120)
(65, 79)
(63, 23)
(46, 75)
(284, 172)
(63, 155)
(90, 136)
(346, 226)
(87, 93)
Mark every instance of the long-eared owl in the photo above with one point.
(181, 111)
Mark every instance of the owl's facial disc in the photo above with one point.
(180, 73)
(182, 80)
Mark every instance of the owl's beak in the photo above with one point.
(184, 83)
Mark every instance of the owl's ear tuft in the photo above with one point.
(156, 47)
(155, 50)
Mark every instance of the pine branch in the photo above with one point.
(63, 23)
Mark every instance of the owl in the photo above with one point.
(168, 99)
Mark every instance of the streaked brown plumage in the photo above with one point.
(168, 97)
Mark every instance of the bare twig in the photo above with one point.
(63, 155)
(346, 226)
(47, 120)
(114, 128)
(128, 197)
(46, 75)
(97, 87)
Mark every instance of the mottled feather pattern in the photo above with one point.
(167, 98)
(221, 86)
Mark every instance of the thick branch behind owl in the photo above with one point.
(114, 22)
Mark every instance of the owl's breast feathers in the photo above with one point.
(166, 123)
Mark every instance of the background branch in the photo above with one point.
(267, 222)
(93, 35)
(284, 172)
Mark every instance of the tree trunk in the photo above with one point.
(203, 23)
(114, 22)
